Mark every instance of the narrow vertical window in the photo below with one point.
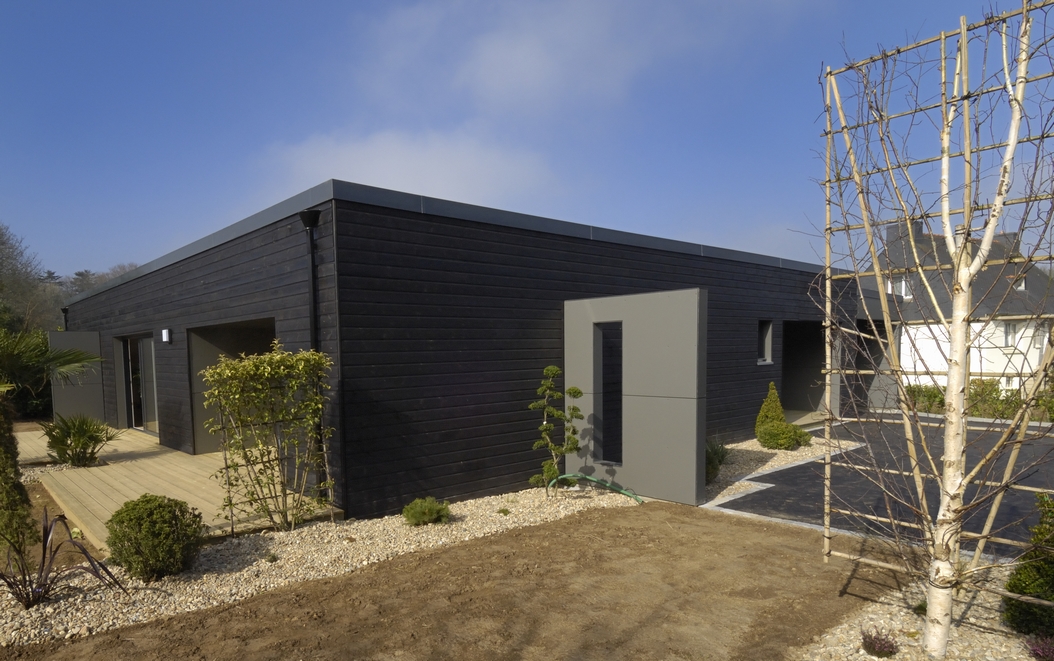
(611, 380)
(765, 342)
(1010, 334)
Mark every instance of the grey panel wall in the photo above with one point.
(263, 274)
(663, 390)
(83, 394)
(447, 325)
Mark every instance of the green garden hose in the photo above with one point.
(579, 476)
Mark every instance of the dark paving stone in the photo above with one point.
(797, 492)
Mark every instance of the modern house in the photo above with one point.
(1013, 306)
(440, 317)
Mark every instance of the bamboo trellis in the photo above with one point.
(907, 113)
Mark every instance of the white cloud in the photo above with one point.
(455, 165)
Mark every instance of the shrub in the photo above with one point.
(269, 410)
(16, 519)
(925, 398)
(716, 455)
(31, 586)
(1041, 648)
(426, 510)
(771, 410)
(878, 643)
(1034, 577)
(77, 440)
(155, 536)
(782, 436)
(549, 394)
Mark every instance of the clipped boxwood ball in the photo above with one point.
(155, 536)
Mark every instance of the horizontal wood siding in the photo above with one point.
(446, 326)
(259, 275)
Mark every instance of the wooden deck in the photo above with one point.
(134, 464)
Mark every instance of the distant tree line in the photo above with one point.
(31, 298)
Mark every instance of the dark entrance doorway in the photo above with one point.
(803, 361)
(140, 383)
(206, 345)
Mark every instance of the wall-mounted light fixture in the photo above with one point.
(166, 335)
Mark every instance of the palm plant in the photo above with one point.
(26, 361)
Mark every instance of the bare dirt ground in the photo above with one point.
(659, 581)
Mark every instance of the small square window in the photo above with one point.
(765, 342)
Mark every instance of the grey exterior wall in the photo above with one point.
(83, 394)
(663, 391)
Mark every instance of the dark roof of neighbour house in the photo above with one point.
(350, 192)
(1013, 288)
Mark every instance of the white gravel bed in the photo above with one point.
(244, 566)
(977, 632)
(32, 473)
(748, 457)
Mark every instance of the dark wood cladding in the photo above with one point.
(262, 274)
(446, 326)
(440, 329)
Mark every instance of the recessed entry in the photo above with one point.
(205, 346)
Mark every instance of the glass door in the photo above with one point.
(142, 383)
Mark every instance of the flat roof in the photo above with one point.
(346, 191)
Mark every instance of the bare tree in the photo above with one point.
(939, 180)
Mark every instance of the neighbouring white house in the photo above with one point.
(1013, 309)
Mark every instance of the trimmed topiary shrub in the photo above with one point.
(782, 436)
(772, 429)
(1034, 577)
(426, 510)
(155, 536)
(771, 410)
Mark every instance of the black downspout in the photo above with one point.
(65, 319)
(309, 217)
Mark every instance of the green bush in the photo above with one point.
(925, 398)
(426, 510)
(782, 436)
(716, 455)
(772, 429)
(1034, 577)
(77, 440)
(771, 410)
(155, 536)
(16, 519)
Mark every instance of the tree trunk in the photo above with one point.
(942, 575)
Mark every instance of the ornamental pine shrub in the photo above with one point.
(155, 536)
(424, 511)
(549, 394)
(772, 429)
(1034, 577)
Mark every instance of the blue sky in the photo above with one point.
(128, 129)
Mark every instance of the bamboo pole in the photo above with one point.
(828, 337)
